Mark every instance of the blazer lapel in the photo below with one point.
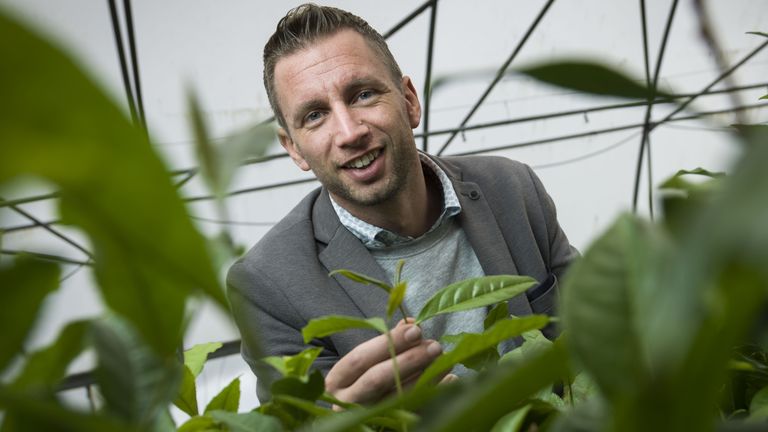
(482, 230)
(344, 251)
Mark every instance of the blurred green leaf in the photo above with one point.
(599, 308)
(591, 78)
(764, 97)
(758, 33)
(308, 407)
(148, 255)
(228, 398)
(136, 384)
(247, 422)
(199, 424)
(35, 414)
(473, 344)
(474, 293)
(25, 284)
(758, 407)
(45, 368)
(513, 421)
(308, 389)
(219, 161)
(395, 298)
(491, 396)
(497, 313)
(534, 344)
(196, 356)
(330, 324)
(186, 399)
(361, 278)
(297, 365)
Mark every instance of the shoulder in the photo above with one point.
(287, 244)
(493, 171)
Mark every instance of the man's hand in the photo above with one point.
(366, 375)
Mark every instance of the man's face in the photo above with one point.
(347, 121)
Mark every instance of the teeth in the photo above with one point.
(364, 160)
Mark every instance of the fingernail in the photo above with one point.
(413, 334)
(434, 349)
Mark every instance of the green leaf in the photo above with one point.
(764, 97)
(485, 400)
(330, 324)
(591, 78)
(496, 314)
(25, 284)
(758, 33)
(45, 368)
(199, 424)
(186, 399)
(395, 298)
(361, 278)
(473, 344)
(513, 421)
(36, 414)
(308, 389)
(296, 365)
(474, 293)
(600, 309)
(64, 129)
(136, 384)
(534, 344)
(219, 161)
(228, 398)
(758, 407)
(195, 357)
(483, 359)
(247, 422)
(308, 407)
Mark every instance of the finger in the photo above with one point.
(379, 380)
(449, 379)
(371, 352)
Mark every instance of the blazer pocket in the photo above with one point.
(543, 296)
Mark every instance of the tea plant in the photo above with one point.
(650, 314)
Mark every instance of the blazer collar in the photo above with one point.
(342, 250)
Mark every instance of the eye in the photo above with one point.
(365, 95)
(313, 117)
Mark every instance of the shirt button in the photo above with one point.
(473, 195)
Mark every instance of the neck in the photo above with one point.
(412, 212)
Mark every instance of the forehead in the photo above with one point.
(327, 63)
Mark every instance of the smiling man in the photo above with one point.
(347, 113)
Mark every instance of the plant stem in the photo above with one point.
(395, 368)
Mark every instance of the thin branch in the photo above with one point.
(51, 230)
(408, 19)
(46, 257)
(654, 84)
(230, 222)
(428, 78)
(253, 189)
(708, 34)
(135, 65)
(587, 155)
(604, 131)
(722, 76)
(647, 63)
(27, 226)
(121, 57)
(499, 74)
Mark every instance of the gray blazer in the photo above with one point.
(282, 282)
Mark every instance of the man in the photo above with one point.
(347, 113)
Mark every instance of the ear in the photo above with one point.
(292, 149)
(411, 102)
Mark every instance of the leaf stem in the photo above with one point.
(395, 368)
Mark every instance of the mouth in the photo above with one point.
(364, 160)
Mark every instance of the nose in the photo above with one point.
(350, 129)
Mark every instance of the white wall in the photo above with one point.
(214, 47)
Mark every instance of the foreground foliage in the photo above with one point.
(659, 320)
